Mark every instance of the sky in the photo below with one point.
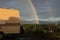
(24, 6)
(47, 10)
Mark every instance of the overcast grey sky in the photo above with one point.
(27, 13)
(48, 9)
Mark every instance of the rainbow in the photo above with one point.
(35, 12)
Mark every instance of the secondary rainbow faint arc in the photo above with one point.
(35, 12)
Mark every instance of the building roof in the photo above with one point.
(9, 15)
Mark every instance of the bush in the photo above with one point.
(37, 31)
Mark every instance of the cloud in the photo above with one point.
(50, 19)
(24, 6)
(47, 8)
(46, 19)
